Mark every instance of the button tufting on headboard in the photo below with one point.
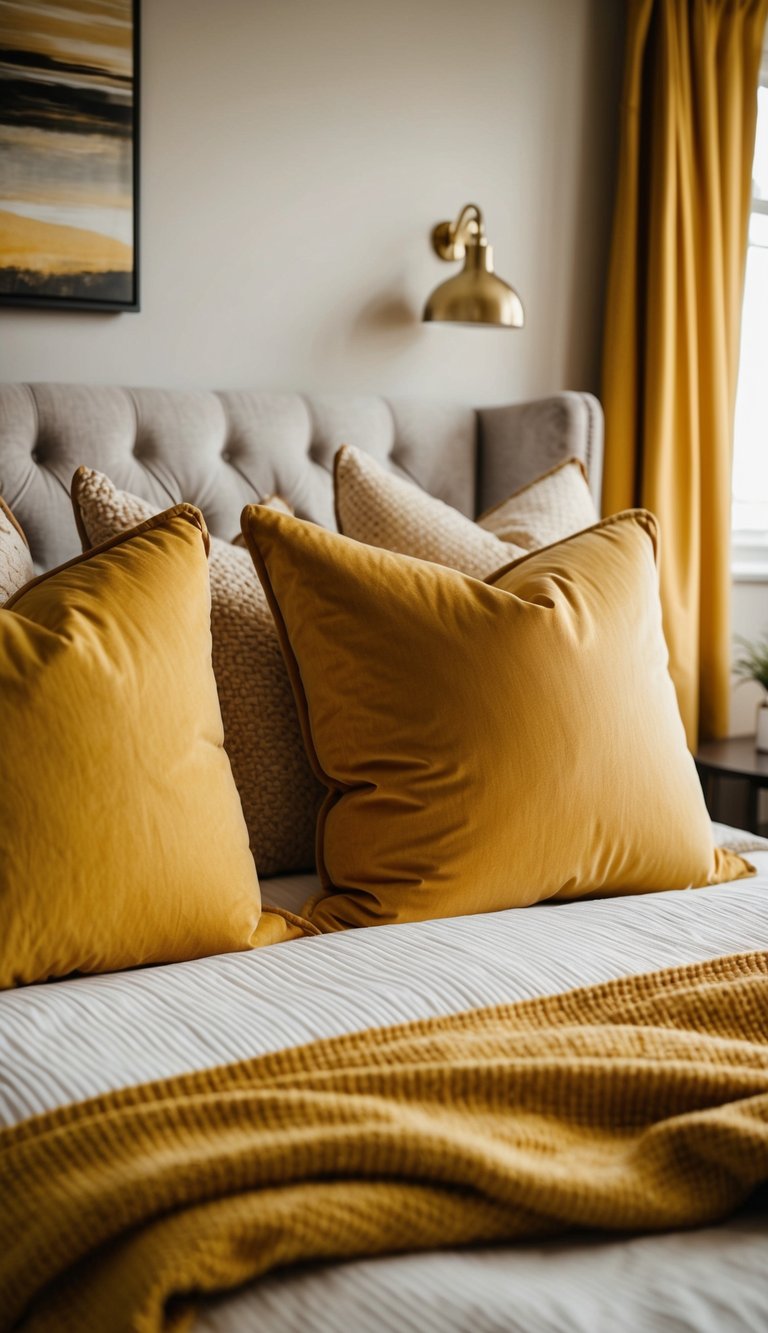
(222, 450)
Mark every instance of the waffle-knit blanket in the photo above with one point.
(641, 1103)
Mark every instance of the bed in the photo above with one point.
(78, 1038)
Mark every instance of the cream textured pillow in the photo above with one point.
(262, 736)
(16, 566)
(547, 510)
(377, 507)
(486, 745)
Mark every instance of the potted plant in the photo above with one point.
(753, 665)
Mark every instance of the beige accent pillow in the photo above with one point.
(547, 510)
(16, 566)
(375, 506)
(262, 735)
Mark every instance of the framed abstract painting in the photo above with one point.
(69, 154)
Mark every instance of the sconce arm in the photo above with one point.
(450, 239)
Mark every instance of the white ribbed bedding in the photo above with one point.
(70, 1040)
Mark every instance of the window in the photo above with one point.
(750, 461)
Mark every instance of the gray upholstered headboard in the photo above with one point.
(222, 450)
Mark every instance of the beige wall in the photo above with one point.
(749, 618)
(296, 154)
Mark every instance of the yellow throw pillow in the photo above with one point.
(16, 566)
(262, 736)
(122, 840)
(486, 745)
(377, 507)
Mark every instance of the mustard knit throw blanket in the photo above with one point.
(638, 1104)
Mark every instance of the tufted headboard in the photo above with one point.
(221, 450)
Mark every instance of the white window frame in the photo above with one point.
(749, 548)
(749, 556)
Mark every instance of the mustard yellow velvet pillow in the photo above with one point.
(122, 840)
(486, 745)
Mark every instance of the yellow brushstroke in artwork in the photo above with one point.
(46, 247)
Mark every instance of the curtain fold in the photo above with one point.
(675, 284)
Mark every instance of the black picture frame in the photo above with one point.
(72, 104)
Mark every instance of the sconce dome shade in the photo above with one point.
(476, 295)
(468, 299)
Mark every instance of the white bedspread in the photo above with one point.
(70, 1040)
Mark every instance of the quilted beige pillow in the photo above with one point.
(16, 566)
(379, 508)
(262, 736)
(547, 510)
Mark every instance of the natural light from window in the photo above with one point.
(750, 463)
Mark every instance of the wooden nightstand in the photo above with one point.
(739, 761)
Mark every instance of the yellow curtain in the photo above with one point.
(673, 313)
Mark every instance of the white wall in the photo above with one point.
(749, 618)
(295, 155)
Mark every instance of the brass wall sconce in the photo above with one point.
(476, 295)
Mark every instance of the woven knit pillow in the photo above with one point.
(377, 507)
(16, 566)
(486, 745)
(262, 736)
